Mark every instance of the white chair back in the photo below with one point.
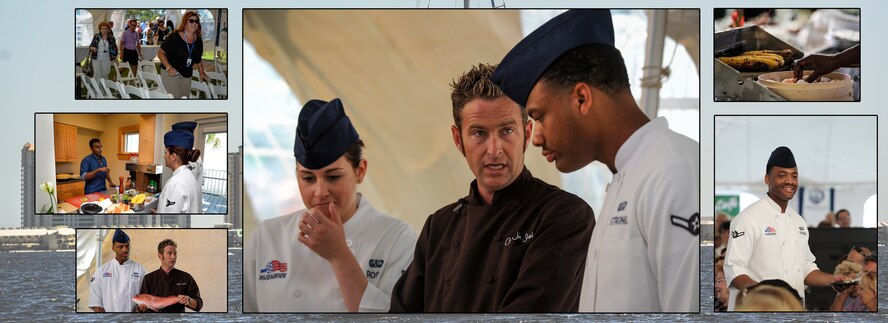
(147, 66)
(217, 78)
(100, 90)
(111, 87)
(132, 91)
(129, 77)
(90, 93)
(159, 95)
(153, 77)
(197, 87)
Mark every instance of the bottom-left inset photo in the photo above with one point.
(152, 270)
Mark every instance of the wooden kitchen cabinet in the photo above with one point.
(69, 190)
(65, 142)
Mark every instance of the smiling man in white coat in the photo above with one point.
(644, 252)
(769, 240)
(115, 283)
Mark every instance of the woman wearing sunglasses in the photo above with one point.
(180, 53)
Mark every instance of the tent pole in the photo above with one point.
(653, 63)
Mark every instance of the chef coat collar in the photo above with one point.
(182, 169)
(777, 207)
(506, 193)
(364, 207)
(629, 148)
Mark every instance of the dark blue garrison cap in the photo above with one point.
(179, 138)
(782, 157)
(525, 63)
(324, 133)
(120, 236)
(188, 126)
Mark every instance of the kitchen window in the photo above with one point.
(128, 142)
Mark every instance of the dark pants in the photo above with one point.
(131, 56)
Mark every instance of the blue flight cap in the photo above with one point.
(323, 134)
(782, 157)
(523, 66)
(179, 138)
(120, 236)
(188, 126)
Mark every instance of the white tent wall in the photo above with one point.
(851, 198)
(392, 70)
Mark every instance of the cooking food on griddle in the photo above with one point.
(759, 60)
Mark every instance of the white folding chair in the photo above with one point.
(217, 78)
(120, 68)
(152, 77)
(100, 91)
(219, 91)
(197, 87)
(111, 87)
(147, 66)
(221, 68)
(159, 95)
(132, 91)
(90, 93)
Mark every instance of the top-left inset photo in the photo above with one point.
(150, 53)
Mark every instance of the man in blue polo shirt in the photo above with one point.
(94, 169)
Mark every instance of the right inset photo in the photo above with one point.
(796, 213)
(805, 54)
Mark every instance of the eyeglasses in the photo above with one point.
(858, 249)
(193, 21)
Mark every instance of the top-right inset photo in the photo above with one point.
(806, 54)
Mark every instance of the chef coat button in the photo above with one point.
(455, 244)
(491, 280)
(297, 293)
(349, 242)
(515, 203)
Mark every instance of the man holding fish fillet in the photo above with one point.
(118, 280)
(168, 289)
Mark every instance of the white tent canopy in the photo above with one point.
(220, 18)
(829, 150)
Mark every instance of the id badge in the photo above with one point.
(188, 62)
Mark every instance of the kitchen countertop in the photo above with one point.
(68, 208)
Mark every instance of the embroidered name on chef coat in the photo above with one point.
(519, 237)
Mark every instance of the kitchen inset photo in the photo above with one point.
(763, 54)
(131, 164)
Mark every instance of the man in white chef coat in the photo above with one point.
(644, 252)
(179, 194)
(116, 282)
(196, 167)
(769, 240)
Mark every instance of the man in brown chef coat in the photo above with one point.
(515, 243)
(169, 281)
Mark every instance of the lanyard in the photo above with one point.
(190, 46)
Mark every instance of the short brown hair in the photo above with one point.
(163, 244)
(104, 24)
(475, 84)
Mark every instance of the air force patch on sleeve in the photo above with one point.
(692, 223)
(735, 234)
(169, 203)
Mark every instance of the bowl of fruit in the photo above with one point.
(137, 203)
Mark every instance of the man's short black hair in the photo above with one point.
(599, 65)
(871, 258)
(93, 141)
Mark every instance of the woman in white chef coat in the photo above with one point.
(195, 163)
(179, 193)
(340, 254)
